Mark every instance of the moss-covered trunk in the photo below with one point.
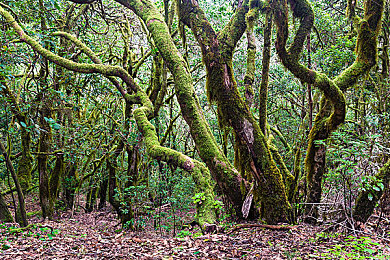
(21, 206)
(91, 196)
(123, 208)
(70, 184)
(25, 163)
(222, 171)
(55, 178)
(5, 214)
(332, 112)
(368, 30)
(43, 151)
(103, 192)
(217, 53)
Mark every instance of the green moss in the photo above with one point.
(297, 175)
(25, 162)
(288, 178)
(5, 214)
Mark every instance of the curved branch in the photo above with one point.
(366, 46)
(290, 58)
(139, 98)
(223, 172)
(106, 70)
(193, 16)
(199, 172)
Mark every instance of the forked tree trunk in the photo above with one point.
(217, 53)
(332, 112)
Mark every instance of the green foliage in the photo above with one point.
(97, 114)
(346, 152)
(184, 233)
(354, 248)
(198, 198)
(52, 123)
(370, 183)
(35, 231)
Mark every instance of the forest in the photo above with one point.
(186, 129)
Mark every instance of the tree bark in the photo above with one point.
(222, 171)
(44, 148)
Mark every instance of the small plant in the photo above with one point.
(198, 198)
(354, 248)
(5, 246)
(198, 234)
(371, 183)
(183, 233)
(218, 205)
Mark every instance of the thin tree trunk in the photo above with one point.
(22, 206)
(44, 148)
(265, 72)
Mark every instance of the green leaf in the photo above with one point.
(56, 5)
(57, 126)
(370, 197)
(23, 124)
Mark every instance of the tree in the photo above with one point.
(263, 174)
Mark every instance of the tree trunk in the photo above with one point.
(26, 160)
(103, 193)
(70, 184)
(5, 214)
(123, 208)
(55, 178)
(217, 52)
(368, 198)
(21, 205)
(332, 112)
(222, 171)
(44, 148)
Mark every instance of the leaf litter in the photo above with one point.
(97, 235)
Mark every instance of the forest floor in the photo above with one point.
(97, 235)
